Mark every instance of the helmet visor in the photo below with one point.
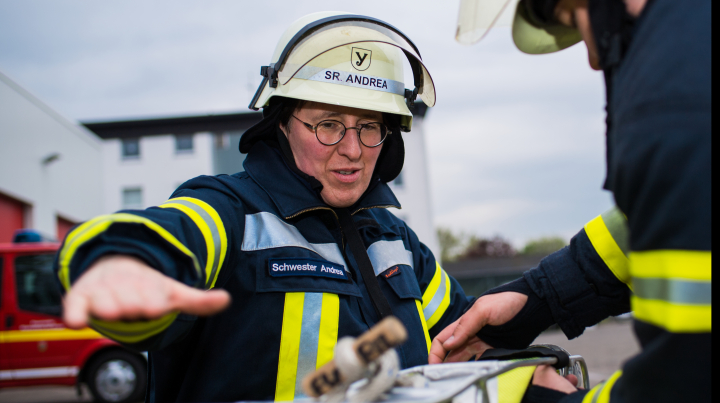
(346, 32)
(476, 18)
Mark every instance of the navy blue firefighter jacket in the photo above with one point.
(268, 239)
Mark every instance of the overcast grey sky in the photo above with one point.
(515, 143)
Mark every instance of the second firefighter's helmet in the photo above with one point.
(534, 29)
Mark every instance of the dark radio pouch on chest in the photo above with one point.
(349, 230)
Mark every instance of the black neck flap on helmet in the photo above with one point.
(388, 166)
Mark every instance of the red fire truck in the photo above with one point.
(37, 349)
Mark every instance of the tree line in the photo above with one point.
(457, 246)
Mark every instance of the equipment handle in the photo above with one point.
(387, 334)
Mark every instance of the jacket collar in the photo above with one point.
(293, 195)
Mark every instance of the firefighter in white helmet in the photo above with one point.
(652, 253)
(301, 241)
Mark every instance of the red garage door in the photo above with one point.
(12, 214)
(63, 227)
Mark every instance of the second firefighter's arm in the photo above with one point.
(575, 287)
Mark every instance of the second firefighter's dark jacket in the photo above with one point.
(657, 262)
(268, 239)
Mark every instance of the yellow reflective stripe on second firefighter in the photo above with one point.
(126, 332)
(307, 342)
(436, 298)
(673, 289)
(601, 392)
(213, 231)
(608, 235)
(512, 385)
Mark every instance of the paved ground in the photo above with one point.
(605, 347)
(43, 394)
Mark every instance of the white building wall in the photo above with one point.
(69, 186)
(414, 193)
(158, 171)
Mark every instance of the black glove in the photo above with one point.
(521, 330)
(540, 394)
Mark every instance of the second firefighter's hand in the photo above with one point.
(458, 342)
(122, 287)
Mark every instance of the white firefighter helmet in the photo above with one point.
(530, 35)
(345, 59)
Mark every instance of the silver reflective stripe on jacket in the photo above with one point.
(675, 291)
(386, 254)
(267, 231)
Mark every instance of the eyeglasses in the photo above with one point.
(330, 132)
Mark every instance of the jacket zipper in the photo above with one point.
(383, 206)
(338, 218)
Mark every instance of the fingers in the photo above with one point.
(75, 311)
(546, 376)
(573, 380)
(125, 288)
(437, 351)
(467, 326)
(198, 302)
(494, 309)
(473, 347)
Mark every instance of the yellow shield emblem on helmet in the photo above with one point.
(360, 58)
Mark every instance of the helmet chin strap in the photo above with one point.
(612, 29)
(541, 12)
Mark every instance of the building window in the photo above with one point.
(132, 198)
(131, 148)
(222, 140)
(183, 143)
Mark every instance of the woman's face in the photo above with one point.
(345, 168)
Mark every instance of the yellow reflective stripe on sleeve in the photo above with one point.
(436, 298)
(211, 226)
(601, 392)
(444, 303)
(127, 332)
(424, 324)
(433, 286)
(607, 248)
(328, 329)
(309, 336)
(616, 222)
(80, 230)
(512, 385)
(95, 227)
(289, 346)
(133, 332)
(673, 289)
(673, 317)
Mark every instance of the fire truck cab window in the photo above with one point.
(36, 287)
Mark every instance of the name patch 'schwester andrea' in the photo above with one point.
(305, 267)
